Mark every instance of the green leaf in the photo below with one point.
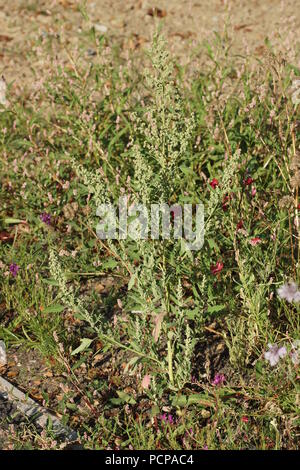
(51, 282)
(11, 220)
(212, 244)
(180, 400)
(154, 411)
(78, 363)
(71, 406)
(258, 368)
(85, 343)
(109, 263)
(132, 281)
(215, 308)
(126, 397)
(196, 399)
(186, 170)
(191, 314)
(56, 308)
(200, 399)
(123, 398)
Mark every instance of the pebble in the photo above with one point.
(3, 357)
(100, 28)
(91, 52)
(3, 87)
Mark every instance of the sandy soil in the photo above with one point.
(131, 23)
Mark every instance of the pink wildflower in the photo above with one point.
(13, 269)
(289, 292)
(255, 241)
(219, 379)
(214, 183)
(274, 354)
(217, 268)
(248, 181)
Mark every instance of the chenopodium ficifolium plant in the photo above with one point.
(159, 333)
(162, 139)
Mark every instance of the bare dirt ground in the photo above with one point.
(186, 23)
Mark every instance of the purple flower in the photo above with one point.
(274, 354)
(13, 269)
(167, 418)
(289, 292)
(46, 218)
(219, 379)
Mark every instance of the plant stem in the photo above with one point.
(170, 360)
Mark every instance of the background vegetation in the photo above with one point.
(154, 346)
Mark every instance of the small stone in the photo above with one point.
(3, 357)
(100, 28)
(91, 52)
(3, 88)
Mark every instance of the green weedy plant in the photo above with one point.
(248, 332)
(160, 329)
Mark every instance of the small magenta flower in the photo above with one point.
(219, 379)
(170, 419)
(146, 381)
(274, 354)
(46, 218)
(216, 268)
(13, 269)
(167, 418)
(214, 183)
(255, 241)
(248, 181)
(240, 225)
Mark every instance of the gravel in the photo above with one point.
(9, 415)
